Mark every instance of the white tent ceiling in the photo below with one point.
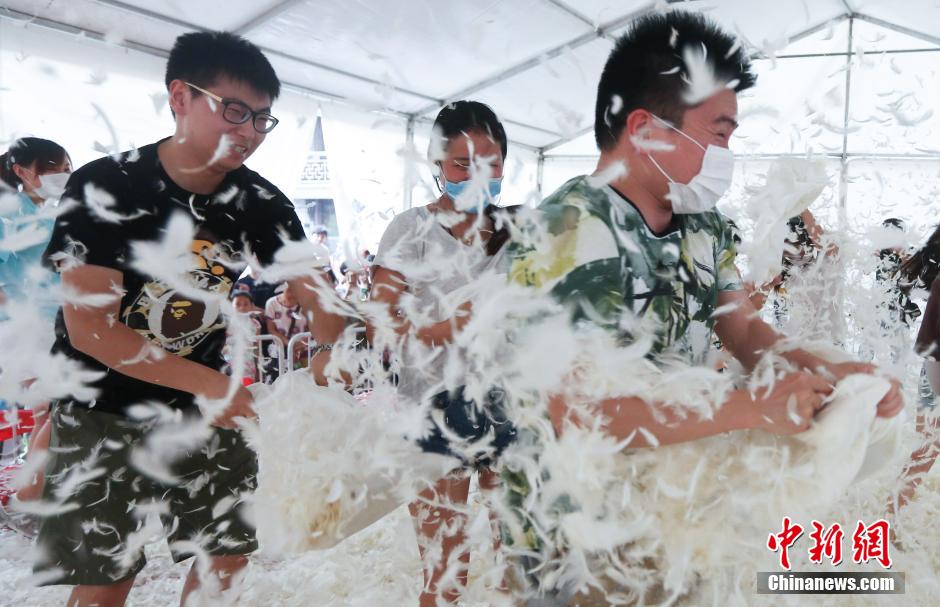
(536, 61)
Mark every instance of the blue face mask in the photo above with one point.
(455, 189)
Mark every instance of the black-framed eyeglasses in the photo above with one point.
(236, 112)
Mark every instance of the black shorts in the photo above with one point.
(474, 434)
(98, 536)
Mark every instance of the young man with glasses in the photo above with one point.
(155, 333)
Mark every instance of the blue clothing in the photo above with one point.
(22, 275)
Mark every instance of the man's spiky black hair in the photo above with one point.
(641, 70)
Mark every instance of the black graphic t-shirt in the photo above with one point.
(131, 199)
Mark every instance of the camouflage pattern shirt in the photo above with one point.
(599, 257)
(596, 254)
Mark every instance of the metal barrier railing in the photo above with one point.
(284, 355)
(305, 337)
(268, 349)
(270, 356)
(264, 353)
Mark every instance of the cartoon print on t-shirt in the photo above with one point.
(173, 321)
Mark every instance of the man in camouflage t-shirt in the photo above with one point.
(639, 243)
(604, 257)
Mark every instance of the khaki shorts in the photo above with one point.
(100, 540)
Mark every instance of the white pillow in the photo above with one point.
(330, 465)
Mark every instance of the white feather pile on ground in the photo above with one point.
(330, 464)
(380, 566)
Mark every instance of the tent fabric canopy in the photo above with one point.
(855, 81)
(537, 61)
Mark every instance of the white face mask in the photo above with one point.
(52, 186)
(708, 186)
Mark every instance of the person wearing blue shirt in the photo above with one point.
(33, 173)
(35, 170)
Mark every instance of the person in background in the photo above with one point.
(896, 310)
(260, 291)
(241, 301)
(758, 296)
(321, 235)
(800, 250)
(365, 275)
(888, 274)
(284, 319)
(808, 292)
(330, 275)
(921, 270)
(34, 171)
(347, 281)
(356, 278)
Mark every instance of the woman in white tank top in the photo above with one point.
(427, 262)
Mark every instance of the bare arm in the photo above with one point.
(741, 329)
(814, 230)
(758, 296)
(93, 331)
(388, 286)
(627, 415)
(325, 327)
(816, 233)
(788, 409)
(747, 337)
